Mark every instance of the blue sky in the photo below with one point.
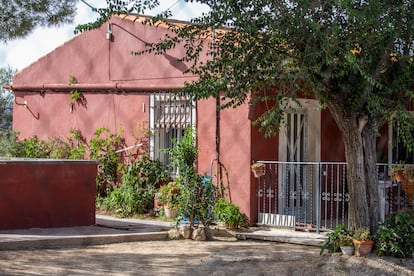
(22, 52)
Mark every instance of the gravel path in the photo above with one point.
(223, 256)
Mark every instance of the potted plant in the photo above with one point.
(346, 244)
(332, 243)
(258, 169)
(363, 241)
(157, 200)
(168, 196)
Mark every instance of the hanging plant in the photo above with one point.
(77, 96)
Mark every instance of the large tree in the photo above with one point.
(19, 17)
(356, 57)
(6, 97)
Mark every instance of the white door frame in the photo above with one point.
(311, 126)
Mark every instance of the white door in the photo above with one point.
(299, 142)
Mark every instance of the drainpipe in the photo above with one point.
(217, 138)
(217, 134)
(218, 128)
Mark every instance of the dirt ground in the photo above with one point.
(222, 256)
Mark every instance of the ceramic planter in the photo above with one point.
(347, 250)
(363, 248)
(170, 212)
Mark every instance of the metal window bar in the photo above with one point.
(170, 115)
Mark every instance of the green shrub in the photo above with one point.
(137, 189)
(58, 149)
(103, 148)
(197, 195)
(32, 147)
(77, 144)
(229, 214)
(53, 148)
(395, 236)
(196, 199)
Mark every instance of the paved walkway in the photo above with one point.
(113, 230)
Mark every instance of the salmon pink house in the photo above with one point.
(303, 185)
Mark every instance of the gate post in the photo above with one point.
(318, 197)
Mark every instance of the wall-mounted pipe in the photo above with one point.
(115, 86)
(25, 105)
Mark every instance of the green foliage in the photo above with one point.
(76, 95)
(345, 240)
(32, 147)
(19, 18)
(54, 148)
(58, 149)
(77, 144)
(197, 195)
(229, 214)
(6, 97)
(184, 153)
(362, 234)
(169, 194)
(395, 236)
(332, 243)
(103, 148)
(137, 189)
(8, 142)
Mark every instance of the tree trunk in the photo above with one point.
(362, 180)
(369, 136)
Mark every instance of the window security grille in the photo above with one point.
(170, 115)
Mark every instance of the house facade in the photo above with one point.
(122, 91)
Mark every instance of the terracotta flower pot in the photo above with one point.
(407, 184)
(363, 248)
(399, 176)
(258, 170)
(157, 203)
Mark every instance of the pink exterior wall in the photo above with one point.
(114, 111)
(235, 154)
(105, 71)
(206, 130)
(94, 60)
(36, 193)
(234, 150)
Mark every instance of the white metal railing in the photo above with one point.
(314, 195)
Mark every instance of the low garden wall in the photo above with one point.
(46, 193)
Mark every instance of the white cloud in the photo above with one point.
(22, 52)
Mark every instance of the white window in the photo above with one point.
(170, 115)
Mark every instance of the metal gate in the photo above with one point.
(303, 195)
